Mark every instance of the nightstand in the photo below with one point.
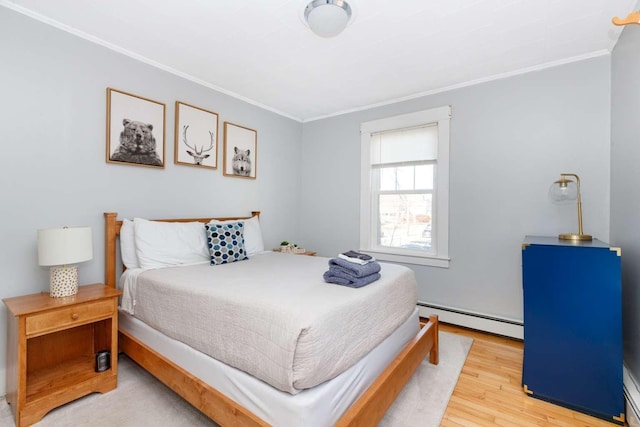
(52, 345)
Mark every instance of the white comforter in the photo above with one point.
(272, 316)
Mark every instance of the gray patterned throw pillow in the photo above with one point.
(226, 242)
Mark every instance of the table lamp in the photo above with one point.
(59, 247)
(568, 189)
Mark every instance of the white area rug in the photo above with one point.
(424, 399)
(140, 400)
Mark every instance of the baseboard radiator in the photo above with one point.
(482, 322)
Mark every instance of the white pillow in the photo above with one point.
(128, 245)
(164, 244)
(253, 242)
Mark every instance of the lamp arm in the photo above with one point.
(579, 200)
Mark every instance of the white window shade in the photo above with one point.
(413, 145)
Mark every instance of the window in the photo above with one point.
(404, 199)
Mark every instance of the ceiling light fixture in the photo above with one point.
(327, 18)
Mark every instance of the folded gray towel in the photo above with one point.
(353, 269)
(340, 278)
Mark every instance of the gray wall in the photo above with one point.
(625, 176)
(53, 170)
(510, 139)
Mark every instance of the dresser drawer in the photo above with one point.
(69, 316)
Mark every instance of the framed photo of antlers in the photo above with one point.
(240, 151)
(196, 140)
(135, 130)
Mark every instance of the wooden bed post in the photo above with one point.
(110, 248)
(434, 353)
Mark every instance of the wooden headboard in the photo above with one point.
(112, 226)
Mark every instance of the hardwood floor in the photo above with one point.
(489, 391)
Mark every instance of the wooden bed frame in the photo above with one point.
(368, 410)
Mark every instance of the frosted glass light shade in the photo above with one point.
(327, 18)
(563, 190)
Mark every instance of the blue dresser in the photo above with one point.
(573, 325)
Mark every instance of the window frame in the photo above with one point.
(440, 234)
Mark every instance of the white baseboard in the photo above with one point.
(632, 398)
(495, 325)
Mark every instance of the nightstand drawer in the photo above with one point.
(68, 316)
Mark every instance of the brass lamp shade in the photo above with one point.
(566, 189)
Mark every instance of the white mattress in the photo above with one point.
(273, 316)
(320, 406)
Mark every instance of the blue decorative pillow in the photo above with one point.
(226, 242)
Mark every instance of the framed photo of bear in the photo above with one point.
(135, 130)
(240, 151)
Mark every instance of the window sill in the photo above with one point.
(431, 261)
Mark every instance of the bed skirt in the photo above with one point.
(319, 406)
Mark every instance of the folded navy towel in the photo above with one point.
(340, 278)
(353, 269)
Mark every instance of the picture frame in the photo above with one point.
(135, 130)
(195, 127)
(240, 151)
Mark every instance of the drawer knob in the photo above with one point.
(75, 316)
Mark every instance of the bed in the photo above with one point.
(359, 394)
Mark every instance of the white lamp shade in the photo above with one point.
(64, 245)
(328, 18)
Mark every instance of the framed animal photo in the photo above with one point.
(135, 130)
(196, 139)
(240, 151)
